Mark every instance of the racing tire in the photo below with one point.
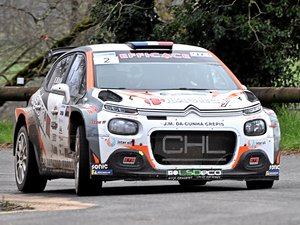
(192, 182)
(27, 174)
(84, 186)
(259, 184)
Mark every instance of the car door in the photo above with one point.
(54, 101)
(75, 79)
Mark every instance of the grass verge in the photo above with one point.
(290, 128)
(6, 132)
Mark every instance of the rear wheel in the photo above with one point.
(27, 174)
(83, 184)
(259, 184)
(192, 182)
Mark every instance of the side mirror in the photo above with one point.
(64, 89)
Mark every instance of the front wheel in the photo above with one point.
(83, 184)
(259, 184)
(27, 174)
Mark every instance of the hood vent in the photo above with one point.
(109, 96)
(250, 96)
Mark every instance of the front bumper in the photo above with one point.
(127, 164)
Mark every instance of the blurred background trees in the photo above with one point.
(258, 40)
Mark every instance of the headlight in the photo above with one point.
(253, 109)
(117, 109)
(255, 127)
(122, 127)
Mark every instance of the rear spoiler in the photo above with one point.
(57, 52)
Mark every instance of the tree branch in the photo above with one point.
(250, 25)
(28, 70)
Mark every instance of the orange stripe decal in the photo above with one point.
(143, 149)
(89, 70)
(242, 149)
(278, 159)
(22, 111)
(96, 160)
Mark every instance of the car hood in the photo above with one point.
(181, 99)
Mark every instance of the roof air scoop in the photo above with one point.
(150, 45)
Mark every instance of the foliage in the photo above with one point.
(122, 21)
(289, 124)
(6, 132)
(258, 40)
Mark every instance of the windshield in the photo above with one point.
(160, 76)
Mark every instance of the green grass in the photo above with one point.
(290, 129)
(6, 132)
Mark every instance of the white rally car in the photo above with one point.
(140, 111)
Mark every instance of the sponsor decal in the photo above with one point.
(57, 163)
(102, 172)
(91, 109)
(200, 54)
(111, 142)
(129, 160)
(233, 95)
(274, 170)
(185, 145)
(99, 166)
(106, 58)
(54, 125)
(53, 137)
(191, 124)
(255, 144)
(193, 174)
(154, 101)
(254, 161)
(190, 100)
(125, 142)
(155, 55)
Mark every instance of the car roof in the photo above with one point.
(126, 47)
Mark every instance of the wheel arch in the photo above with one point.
(76, 118)
(21, 121)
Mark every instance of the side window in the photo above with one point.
(60, 71)
(76, 77)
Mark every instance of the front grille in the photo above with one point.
(193, 147)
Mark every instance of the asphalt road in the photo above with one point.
(162, 202)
